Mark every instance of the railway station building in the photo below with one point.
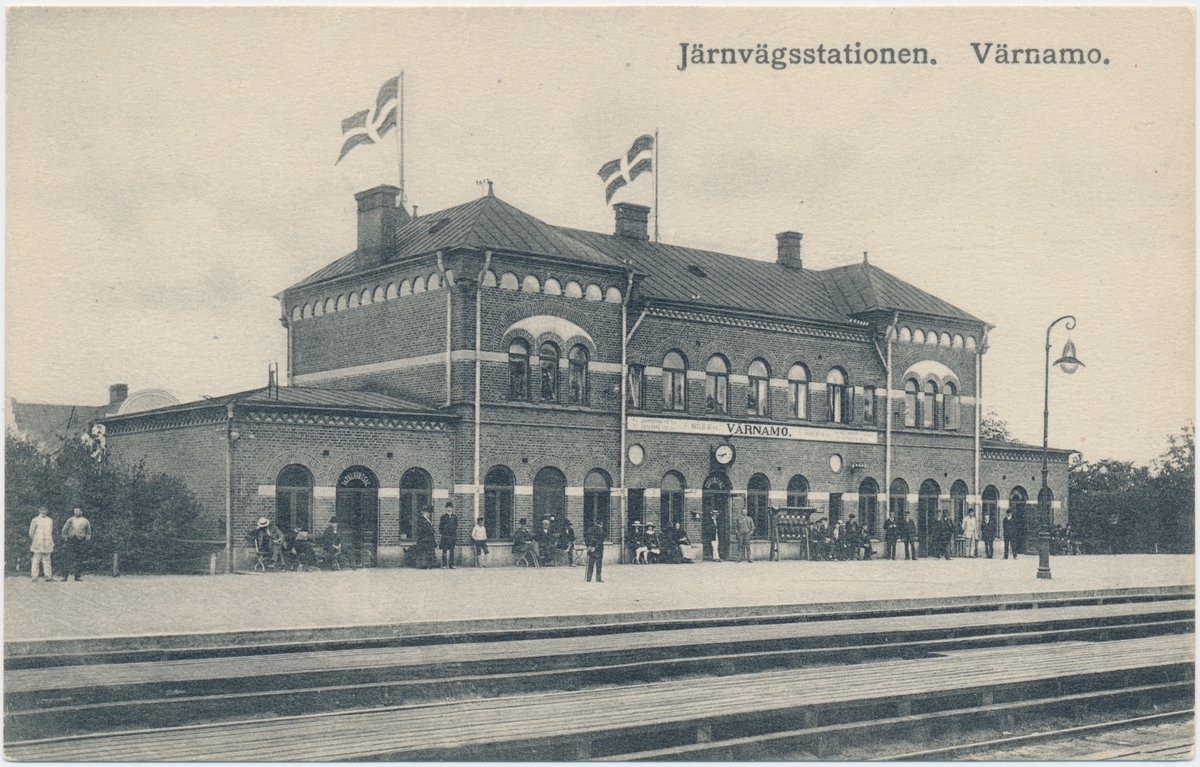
(520, 369)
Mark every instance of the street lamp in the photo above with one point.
(1069, 364)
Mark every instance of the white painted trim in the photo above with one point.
(439, 493)
(323, 491)
(375, 367)
(739, 379)
(653, 492)
(1055, 504)
(850, 497)
(693, 492)
(742, 429)
(779, 383)
(468, 355)
(574, 492)
(615, 492)
(881, 497)
(652, 371)
(818, 496)
(608, 368)
(695, 375)
(815, 386)
(775, 496)
(467, 489)
(389, 492)
(523, 490)
(266, 490)
(1002, 505)
(914, 497)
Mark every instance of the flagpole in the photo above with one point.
(656, 163)
(400, 142)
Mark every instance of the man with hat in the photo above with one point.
(637, 542)
(76, 534)
(546, 539)
(425, 548)
(708, 536)
(331, 542)
(594, 539)
(448, 535)
(259, 539)
(743, 530)
(653, 544)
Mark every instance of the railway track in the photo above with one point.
(81, 711)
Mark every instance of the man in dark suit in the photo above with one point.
(594, 538)
(448, 535)
(1010, 534)
(425, 550)
(988, 533)
(909, 534)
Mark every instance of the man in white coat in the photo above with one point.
(970, 528)
(41, 544)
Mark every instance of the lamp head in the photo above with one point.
(1067, 361)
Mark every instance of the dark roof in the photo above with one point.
(672, 273)
(861, 288)
(52, 425)
(331, 399)
(702, 277)
(487, 223)
(996, 444)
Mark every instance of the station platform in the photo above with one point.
(164, 610)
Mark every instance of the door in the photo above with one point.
(357, 514)
(927, 511)
(715, 497)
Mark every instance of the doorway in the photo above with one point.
(715, 497)
(358, 513)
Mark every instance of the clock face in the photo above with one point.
(724, 454)
(636, 455)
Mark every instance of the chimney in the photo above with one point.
(117, 393)
(789, 249)
(631, 220)
(378, 218)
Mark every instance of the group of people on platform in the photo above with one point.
(944, 532)
(650, 547)
(75, 537)
(845, 539)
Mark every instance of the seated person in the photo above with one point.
(653, 544)
(300, 550)
(676, 540)
(637, 542)
(331, 542)
(546, 539)
(523, 542)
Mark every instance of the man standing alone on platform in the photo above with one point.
(1010, 534)
(479, 541)
(41, 544)
(988, 531)
(743, 530)
(423, 551)
(76, 534)
(594, 538)
(448, 535)
(909, 530)
(708, 536)
(889, 538)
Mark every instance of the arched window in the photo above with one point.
(758, 497)
(918, 336)
(898, 500)
(798, 391)
(944, 339)
(489, 279)
(548, 372)
(318, 308)
(518, 370)
(573, 290)
(957, 342)
(416, 493)
(593, 293)
(671, 500)
(434, 281)
(308, 309)
(293, 498)
(716, 385)
(958, 500)
(839, 396)
(378, 295)
(498, 488)
(406, 288)
(758, 394)
(1018, 501)
(341, 304)
(418, 285)
(950, 408)
(392, 292)
(365, 298)
(296, 312)
(612, 296)
(596, 495)
(929, 405)
(577, 379)
(508, 281)
(674, 382)
(357, 507)
(868, 505)
(330, 306)
(905, 335)
(530, 285)
(931, 338)
(991, 502)
(352, 300)
(553, 287)
(797, 492)
(970, 342)
(910, 403)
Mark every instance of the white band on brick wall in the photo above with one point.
(695, 375)
(266, 490)
(374, 367)
(389, 492)
(779, 383)
(914, 498)
(615, 492)
(321, 491)
(651, 371)
(944, 497)
(1002, 505)
(850, 497)
(574, 492)
(653, 492)
(777, 496)
(440, 493)
(1056, 504)
(882, 497)
(612, 368)
(523, 490)
(693, 493)
(467, 489)
(739, 379)
(816, 496)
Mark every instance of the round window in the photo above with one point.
(636, 455)
(835, 463)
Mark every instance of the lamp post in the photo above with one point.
(1069, 364)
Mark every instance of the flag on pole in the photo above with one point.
(367, 128)
(623, 170)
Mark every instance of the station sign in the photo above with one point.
(757, 430)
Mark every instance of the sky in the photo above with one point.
(170, 170)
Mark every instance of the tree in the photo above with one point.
(995, 428)
(1174, 491)
(145, 518)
